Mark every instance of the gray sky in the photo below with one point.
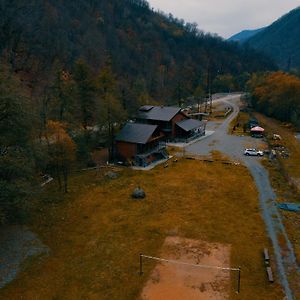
(227, 17)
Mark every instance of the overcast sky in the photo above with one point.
(227, 17)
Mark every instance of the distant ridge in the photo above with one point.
(281, 40)
(245, 35)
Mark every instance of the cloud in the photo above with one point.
(226, 17)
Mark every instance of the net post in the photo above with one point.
(239, 281)
(141, 264)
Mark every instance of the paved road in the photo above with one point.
(17, 243)
(233, 147)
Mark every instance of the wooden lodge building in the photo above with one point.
(165, 117)
(144, 141)
(141, 144)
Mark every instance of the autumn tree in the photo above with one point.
(63, 94)
(223, 83)
(84, 93)
(140, 93)
(199, 95)
(277, 95)
(61, 150)
(111, 110)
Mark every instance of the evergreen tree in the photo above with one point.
(61, 150)
(111, 110)
(84, 93)
(63, 93)
(16, 164)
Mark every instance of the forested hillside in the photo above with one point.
(151, 54)
(277, 95)
(281, 40)
(73, 71)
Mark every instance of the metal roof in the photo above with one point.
(189, 124)
(136, 133)
(159, 113)
(146, 107)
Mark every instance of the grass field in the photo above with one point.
(291, 165)
(97, 231)
(238, 124)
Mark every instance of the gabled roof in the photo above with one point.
(146, 107)
(158, 113)
(136, 133)
(189, 124)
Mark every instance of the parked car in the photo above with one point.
(253, 152)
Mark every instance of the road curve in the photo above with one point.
(233, 147)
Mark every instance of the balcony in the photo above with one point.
(160, 147)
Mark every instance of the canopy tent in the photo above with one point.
(257, 129)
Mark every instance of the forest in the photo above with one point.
(153, 55)
(277, 95)
(280, 41)
(72, 72)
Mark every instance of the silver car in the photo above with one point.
(253, 152)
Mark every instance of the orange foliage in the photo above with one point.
(60, 143)
(278, 95)
(61, 150)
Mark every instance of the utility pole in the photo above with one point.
(208, 87)
(210, 102)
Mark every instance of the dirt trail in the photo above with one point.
(233, 147)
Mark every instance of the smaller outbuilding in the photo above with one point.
(189, 129)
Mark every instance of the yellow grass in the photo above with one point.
(291, 165)
(283, 172)
(217, 115)
(238, 122)
(287, 193)
(97, 231)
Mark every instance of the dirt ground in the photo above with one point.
(170, 281)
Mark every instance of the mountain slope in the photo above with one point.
(245, 35)
(281, 40)
(150, 52)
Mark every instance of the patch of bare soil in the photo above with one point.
(170, 281)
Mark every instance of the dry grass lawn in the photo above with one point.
(285, 177)
(291, 165)
(97, 231)
(238, 124)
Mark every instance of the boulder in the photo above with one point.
(111, 175)
(138, 193)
